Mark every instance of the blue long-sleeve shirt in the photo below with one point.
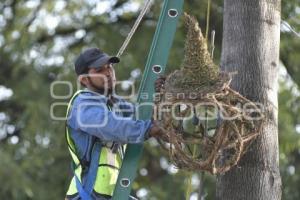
(90, 117)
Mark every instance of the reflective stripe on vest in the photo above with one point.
(109, 165)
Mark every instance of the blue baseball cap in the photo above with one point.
(93, 58)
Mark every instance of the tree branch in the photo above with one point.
(13, 6)
(119, 4)
(290, 70)
(62, 31)
(34, 14)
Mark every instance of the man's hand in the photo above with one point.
(159, 83)
(156, 131)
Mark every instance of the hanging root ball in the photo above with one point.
(214, 146)
(206, 127)
(198, 71)
(196, 56)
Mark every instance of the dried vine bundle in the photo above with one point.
(194, 93)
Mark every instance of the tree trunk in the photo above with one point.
(251, 37)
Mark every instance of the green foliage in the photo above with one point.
(290, 43)
(289, 137)
(37, 50)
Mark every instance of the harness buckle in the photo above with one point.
(113, 146)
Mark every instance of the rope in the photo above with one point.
(207, 18)
(135, 26)
(193, 153)
(189, 182)
(212, 46)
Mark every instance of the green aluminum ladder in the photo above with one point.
(156, 63)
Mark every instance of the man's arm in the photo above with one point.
(93, 117)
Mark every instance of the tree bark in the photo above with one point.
(250, 47)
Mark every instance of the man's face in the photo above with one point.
(103, 78)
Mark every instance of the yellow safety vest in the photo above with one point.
(108, 168)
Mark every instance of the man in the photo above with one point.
(98, 126)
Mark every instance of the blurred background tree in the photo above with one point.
(39, 40)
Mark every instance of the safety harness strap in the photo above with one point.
(86, 190)
(82, 193)
(93, 168)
